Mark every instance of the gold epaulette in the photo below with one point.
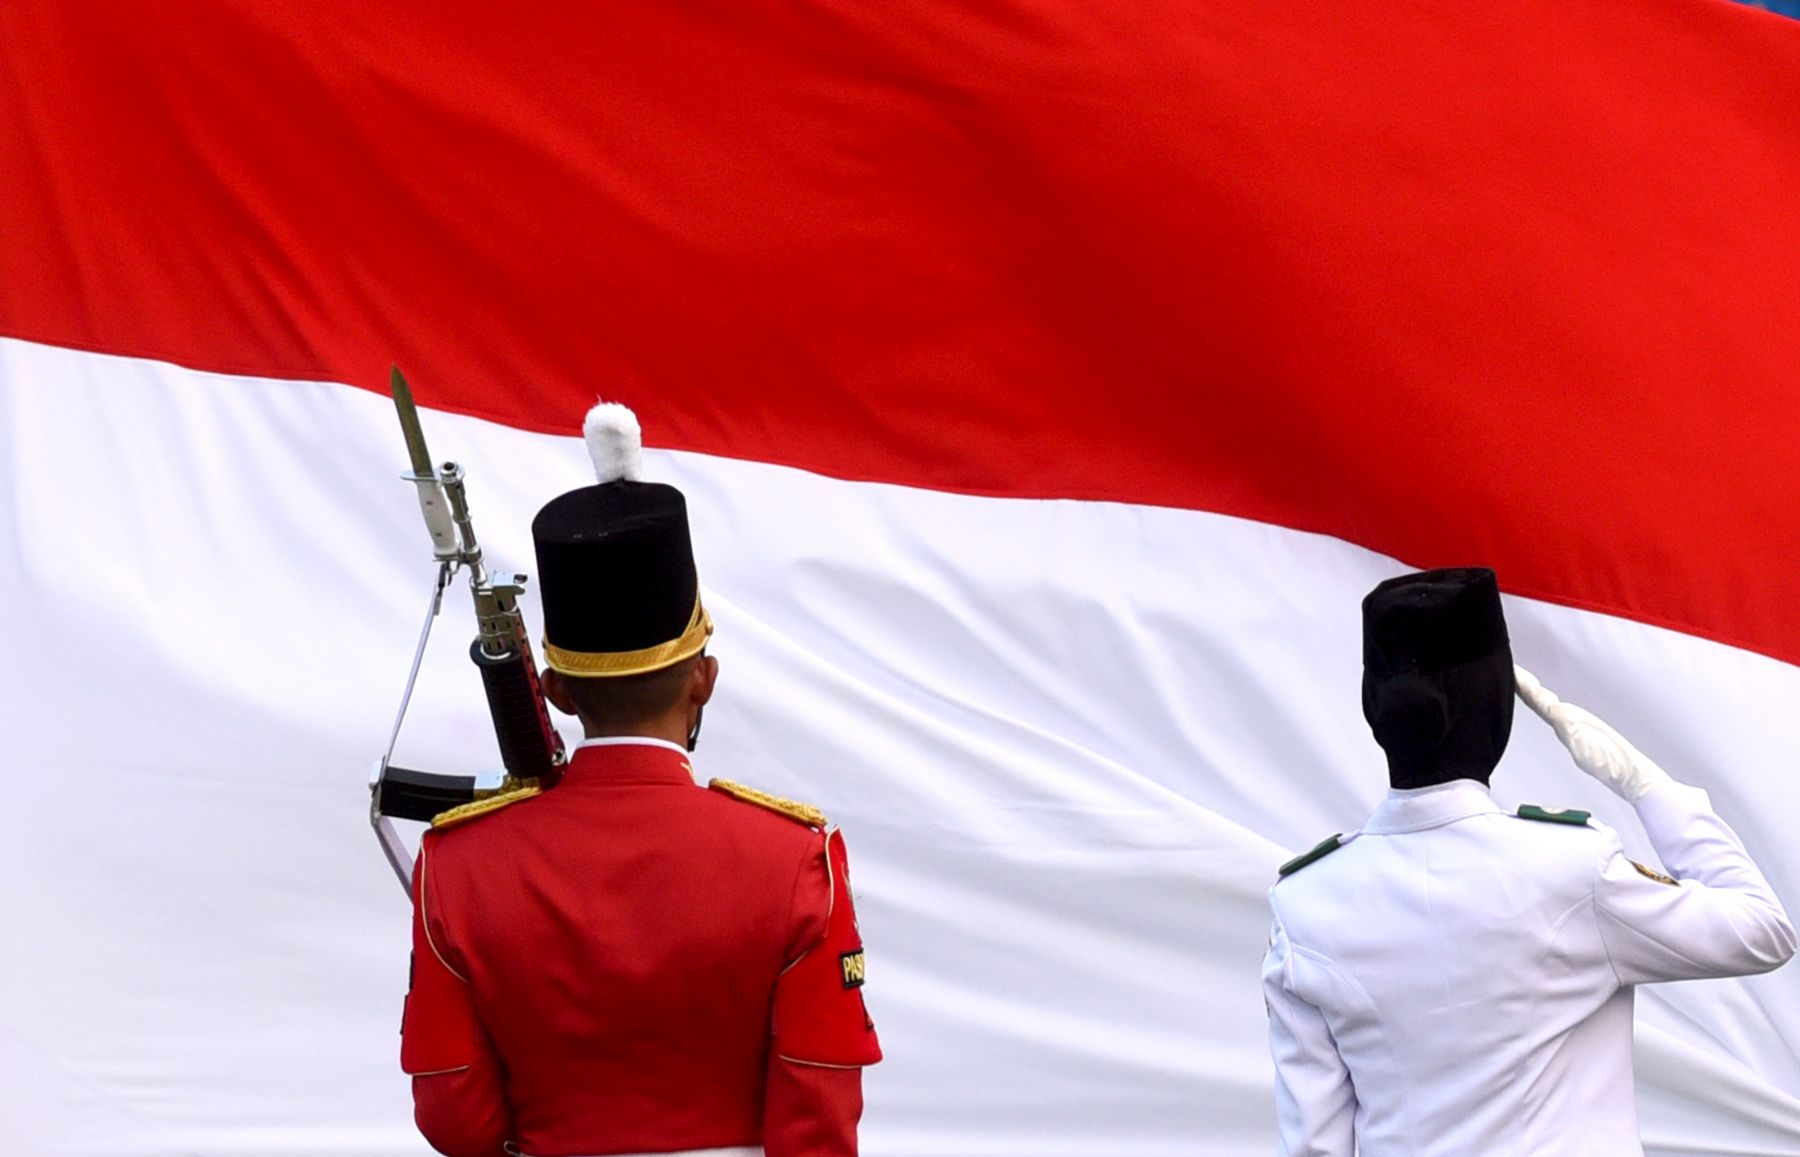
(493, 803)
(804, 812)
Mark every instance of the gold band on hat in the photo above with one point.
(601, 664)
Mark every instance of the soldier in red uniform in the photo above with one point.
(630, 963)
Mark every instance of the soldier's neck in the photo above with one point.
(672, 727)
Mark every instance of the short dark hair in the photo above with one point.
(621, 702)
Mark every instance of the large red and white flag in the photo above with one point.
(1048, 380)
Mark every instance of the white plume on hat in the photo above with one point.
(615, 442)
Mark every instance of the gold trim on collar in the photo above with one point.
(602, 664)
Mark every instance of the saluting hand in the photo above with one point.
(1597, 749)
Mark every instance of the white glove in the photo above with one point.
(1598, 750)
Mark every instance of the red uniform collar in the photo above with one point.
(627, 761)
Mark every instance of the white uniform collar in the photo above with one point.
(1415, 809)
(631, 740)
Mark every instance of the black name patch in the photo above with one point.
(853, 967)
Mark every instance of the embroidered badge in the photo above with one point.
(853, 968)
(1653, 874)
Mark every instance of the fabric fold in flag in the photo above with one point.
(1048, 383)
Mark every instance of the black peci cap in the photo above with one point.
(1437, 684)
(1432, 620)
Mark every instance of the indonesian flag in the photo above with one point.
(1048, 379)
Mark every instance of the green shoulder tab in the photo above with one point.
(1320, 850)
(1554, 815)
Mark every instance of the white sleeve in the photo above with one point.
(1720, 918)
(1315, 1103)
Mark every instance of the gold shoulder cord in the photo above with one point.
(469, 811)
(803, 812)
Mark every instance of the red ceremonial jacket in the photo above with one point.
(633, 964)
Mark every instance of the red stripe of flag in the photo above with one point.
(1507, 282)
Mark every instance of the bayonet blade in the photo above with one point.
(409, 425)
(434, 504)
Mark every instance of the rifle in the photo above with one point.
(530, 748)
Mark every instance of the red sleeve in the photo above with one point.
(459, 1096)
(822, 1032)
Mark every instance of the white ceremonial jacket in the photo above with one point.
(1456, 981)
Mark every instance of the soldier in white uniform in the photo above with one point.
(1455, 980)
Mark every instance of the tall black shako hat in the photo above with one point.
(616, 564)
(1437, 675)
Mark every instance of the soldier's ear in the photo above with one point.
(556, 692)
(706, 677)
